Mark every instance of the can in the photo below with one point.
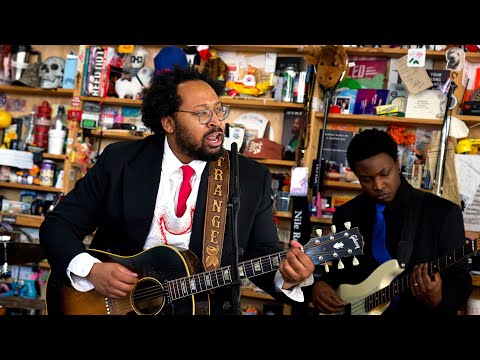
(288, 82)
(47, 173)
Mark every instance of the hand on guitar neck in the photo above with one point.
(373, 295)
(426, 288)
(296, 267)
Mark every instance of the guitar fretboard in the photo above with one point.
(197, 283)
(403, 284)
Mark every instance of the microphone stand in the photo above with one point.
(233, 208)
(441, 159)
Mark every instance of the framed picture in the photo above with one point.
(343, 102)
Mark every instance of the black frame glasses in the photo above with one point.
(205, 115)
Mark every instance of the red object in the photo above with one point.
(335, 109)
(74, 115)
(42, 125)
(185, 190)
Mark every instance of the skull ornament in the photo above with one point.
(51, 72)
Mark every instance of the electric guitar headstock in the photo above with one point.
(335, 245)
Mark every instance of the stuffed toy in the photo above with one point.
(217, 68)
(331, 62)
(133, 88)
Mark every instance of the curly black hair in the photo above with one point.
(161, 98)
(368, 143)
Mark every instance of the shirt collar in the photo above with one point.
(399, 201)
(171, 163)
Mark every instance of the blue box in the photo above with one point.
(70, 72)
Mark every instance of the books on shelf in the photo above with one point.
(97, 61)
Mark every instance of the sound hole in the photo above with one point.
(148, 297)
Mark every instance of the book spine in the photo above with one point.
(109, 53)
(85, 72)
(95, 78)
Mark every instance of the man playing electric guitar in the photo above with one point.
(419, 228)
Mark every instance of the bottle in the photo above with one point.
(59, 120)
(56, 135)
(30, 139)
(42, 125)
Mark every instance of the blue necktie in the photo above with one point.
(379, 249)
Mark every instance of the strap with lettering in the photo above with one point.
(216, 212)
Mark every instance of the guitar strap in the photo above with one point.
(405, 245)
(216, 212)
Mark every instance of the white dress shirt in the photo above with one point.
(166, 227)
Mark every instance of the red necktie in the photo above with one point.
(185, 190)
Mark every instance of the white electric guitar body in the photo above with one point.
(357, 295)
(373, 295)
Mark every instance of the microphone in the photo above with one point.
(236, 182)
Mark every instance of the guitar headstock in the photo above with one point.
(335, 246)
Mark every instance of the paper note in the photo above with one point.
(468, 175)
(471, 215)
(416, 79)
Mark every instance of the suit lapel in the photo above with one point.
(142, 178)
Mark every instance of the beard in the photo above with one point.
(185, 144)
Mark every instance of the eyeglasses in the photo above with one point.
(205, 115)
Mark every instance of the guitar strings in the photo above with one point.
(161, 290)
(360, 307)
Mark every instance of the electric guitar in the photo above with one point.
(170, 281)
(373, 295)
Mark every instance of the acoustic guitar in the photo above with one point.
(171, 281)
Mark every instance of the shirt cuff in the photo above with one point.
(78, 269)
(294, 293)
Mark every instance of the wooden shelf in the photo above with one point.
(30, 187)
(286, 163)
(468, 119)
(246, 292)
(351, 51)
(381, 120)
(288, 215)
(256, 103)
(322, 220)
(342, 185)
(23, 219)
(22, 302)
(227, 100)
(54, 156)
(113, 101)
(284, 49)
(120, 134)
(388, 52)
(25, 90)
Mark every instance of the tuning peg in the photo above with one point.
(327, 269)
(355, 261)
(319, 232)
(340, 264)
(347, 224)
(334, 229)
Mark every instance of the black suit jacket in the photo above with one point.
(117, 197)
(439, 231)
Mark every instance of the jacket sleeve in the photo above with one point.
(263, 237)
(75, 216)
(456, 279)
